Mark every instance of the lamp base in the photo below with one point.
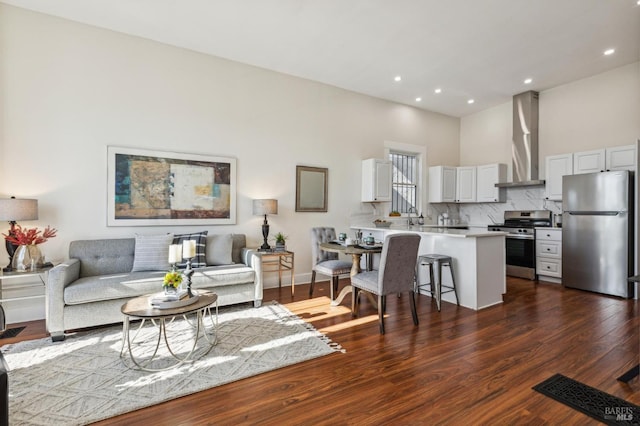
(265, 234)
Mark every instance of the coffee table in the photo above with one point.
(140, 308)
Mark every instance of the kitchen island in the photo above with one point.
(478, 260)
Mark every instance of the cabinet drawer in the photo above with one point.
(548, 248)
(549, 267)
(549, 234)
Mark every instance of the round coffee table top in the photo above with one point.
(140, 307)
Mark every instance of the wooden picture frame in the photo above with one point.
(148, 187)
(311, 189)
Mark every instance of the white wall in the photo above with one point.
(596, 112)
(70, 90)
(485, 137)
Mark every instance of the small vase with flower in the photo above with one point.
(27, 256)
(172, 281)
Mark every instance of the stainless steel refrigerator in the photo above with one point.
(597, 232)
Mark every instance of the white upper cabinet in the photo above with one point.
(466, 184)
(621, 158)
(376, 180)
(589, 161)
(487, 177)
(557, 166)
(442, 184)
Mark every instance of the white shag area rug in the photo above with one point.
(83, 379)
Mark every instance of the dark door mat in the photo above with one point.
(600, 405)
(11, 332)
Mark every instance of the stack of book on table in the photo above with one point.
(167, 301)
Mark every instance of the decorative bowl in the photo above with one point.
(382, 224)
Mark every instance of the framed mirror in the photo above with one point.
(311, 189)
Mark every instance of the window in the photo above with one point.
(404, 181)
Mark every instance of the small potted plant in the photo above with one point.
(171, 282)
(280, 241)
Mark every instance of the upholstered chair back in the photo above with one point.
(321, 235)
(398, 263)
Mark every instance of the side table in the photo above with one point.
(40, 273)
(279, 261)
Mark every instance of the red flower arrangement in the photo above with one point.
(29, 236)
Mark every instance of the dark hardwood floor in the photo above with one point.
(457, 367)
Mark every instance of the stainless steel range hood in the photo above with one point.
(524, 147)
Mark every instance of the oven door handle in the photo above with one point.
(519, 237)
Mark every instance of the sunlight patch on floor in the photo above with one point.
(316, 309)
(351, 323)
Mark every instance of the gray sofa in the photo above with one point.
(90, 288)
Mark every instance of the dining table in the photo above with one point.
(356, 252)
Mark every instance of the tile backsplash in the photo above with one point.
(479, 214)
(519, 198)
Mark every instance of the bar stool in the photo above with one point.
(435, 287)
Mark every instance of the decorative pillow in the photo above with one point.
(219, 249)
(152, 253)
(201, 244)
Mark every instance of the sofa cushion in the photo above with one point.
(219, 249)
(152, 253)
(126, 286)
(103, 257)
(115, 286)
(200, 260)
(215, 276)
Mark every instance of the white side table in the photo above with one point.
(41, 274)
(5, 276)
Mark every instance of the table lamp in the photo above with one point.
(14, 209)
(265, 207)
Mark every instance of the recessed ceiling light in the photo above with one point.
(397, 78)
(438, 90)
(609, 52)
(528, 81)
(470, 101)
(418, 99)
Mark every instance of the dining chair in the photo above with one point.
(395, 275)
(326, 263)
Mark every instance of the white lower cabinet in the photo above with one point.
(549, 254)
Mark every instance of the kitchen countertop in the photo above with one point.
(472, 232)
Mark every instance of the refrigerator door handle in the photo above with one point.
(594, 213)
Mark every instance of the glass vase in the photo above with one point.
(27, 258)
(170, 290)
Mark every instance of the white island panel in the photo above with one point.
(478, 263)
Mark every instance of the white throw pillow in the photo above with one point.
(219, 249)
(152, 253)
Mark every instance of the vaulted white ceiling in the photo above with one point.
(470, 49)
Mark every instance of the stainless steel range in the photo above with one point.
(520, 241)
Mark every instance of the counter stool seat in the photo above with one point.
(433, 261)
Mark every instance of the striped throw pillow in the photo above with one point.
(152, 253)
(200, 261)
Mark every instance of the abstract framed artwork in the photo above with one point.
(148, 187)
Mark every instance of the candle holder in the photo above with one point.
(188, 272)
